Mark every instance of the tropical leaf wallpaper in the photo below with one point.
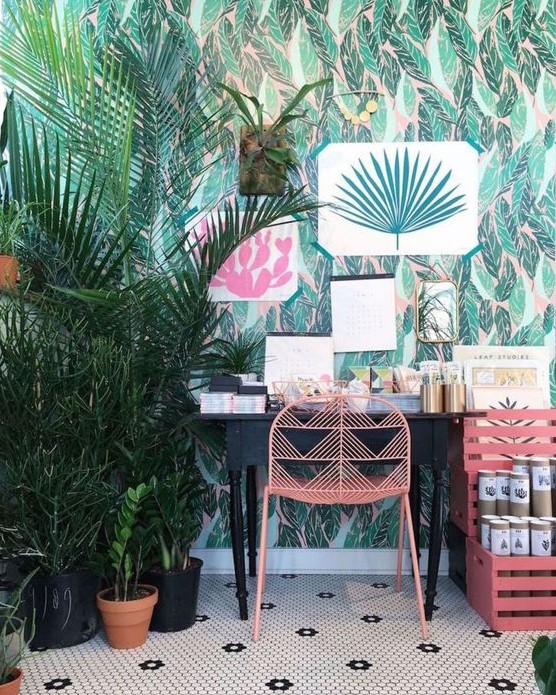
(482, 71)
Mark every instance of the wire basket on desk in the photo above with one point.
(293, 390)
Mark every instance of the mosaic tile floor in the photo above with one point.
(321, 635)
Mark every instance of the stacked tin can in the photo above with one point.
(518, 518)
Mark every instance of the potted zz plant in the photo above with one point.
(126, 607)
(263, 152)
(174, 511)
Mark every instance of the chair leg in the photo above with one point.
(415, 564)
(262, 567)
(400, 547)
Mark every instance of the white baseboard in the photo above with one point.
(320, 561)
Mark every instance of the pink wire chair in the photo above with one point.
(335, 449)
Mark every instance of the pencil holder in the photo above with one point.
(431, 398)
(454, 398)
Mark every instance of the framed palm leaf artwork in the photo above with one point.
(414, 198)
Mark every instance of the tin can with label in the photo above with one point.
(541, 494)
(520, 494)
(499, 536)
(519, 537)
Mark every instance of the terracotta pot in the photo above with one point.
(12, 688)
(127, 622)
(8, 271)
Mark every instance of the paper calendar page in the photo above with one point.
(363, 312)
(298, 357)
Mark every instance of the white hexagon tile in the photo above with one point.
(321, 635)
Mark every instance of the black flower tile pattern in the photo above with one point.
(307, 632)
(280, 684)
(230, 585)
(58, 684)
(288, 576)
(503, 685)
(359, 665)
(429, 648)
(326, 594)
(308, 646)
(490, 633)
(151, 665)
(234, 648)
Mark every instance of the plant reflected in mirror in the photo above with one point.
(437, 311)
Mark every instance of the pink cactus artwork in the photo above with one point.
(263, 268)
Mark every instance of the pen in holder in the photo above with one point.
(432, 398)
(454, 398)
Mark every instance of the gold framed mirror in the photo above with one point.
(436, 311)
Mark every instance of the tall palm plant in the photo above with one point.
(122, 185)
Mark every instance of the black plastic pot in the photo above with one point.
(65, 608)
(177, 596)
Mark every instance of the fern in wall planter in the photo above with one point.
(398, 197)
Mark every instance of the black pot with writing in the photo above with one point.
(64, 608)
(178, 591)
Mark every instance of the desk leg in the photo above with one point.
(252, 519)
(415, 505)
(435, 542)
(238, 550)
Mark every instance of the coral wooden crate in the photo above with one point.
(493, 437)
(463, 501)
(464, 498)
(495, 596)
(489, 441)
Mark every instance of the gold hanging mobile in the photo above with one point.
(363, 116)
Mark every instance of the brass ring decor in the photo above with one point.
(362, 116)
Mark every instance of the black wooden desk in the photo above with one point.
(247, 447)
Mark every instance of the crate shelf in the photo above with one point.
(507, 601)
(491, 438)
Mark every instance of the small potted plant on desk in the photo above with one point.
(174, 510)
(241, 356)
(127, 606)
(13, 642)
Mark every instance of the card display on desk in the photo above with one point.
(363, 312)
(295, 356)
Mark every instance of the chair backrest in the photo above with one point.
(339, 449)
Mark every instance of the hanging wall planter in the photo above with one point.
(263, 153)
(257, 175)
